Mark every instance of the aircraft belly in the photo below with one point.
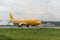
(31, 23)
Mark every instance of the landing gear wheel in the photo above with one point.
(19, 26)
(27, 26)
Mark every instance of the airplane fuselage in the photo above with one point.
(26, 22)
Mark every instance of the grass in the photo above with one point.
(29, 34)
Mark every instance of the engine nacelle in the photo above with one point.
(22, 23)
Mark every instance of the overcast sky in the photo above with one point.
(47, 10)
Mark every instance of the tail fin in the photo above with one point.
(11, 16)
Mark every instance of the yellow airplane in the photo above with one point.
(26, 22)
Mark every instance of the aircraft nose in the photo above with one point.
(39, 22)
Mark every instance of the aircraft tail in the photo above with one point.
(11, 16)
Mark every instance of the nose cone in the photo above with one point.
(39, 22)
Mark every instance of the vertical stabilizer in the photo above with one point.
(11, 16)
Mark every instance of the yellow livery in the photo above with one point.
(26, 22)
